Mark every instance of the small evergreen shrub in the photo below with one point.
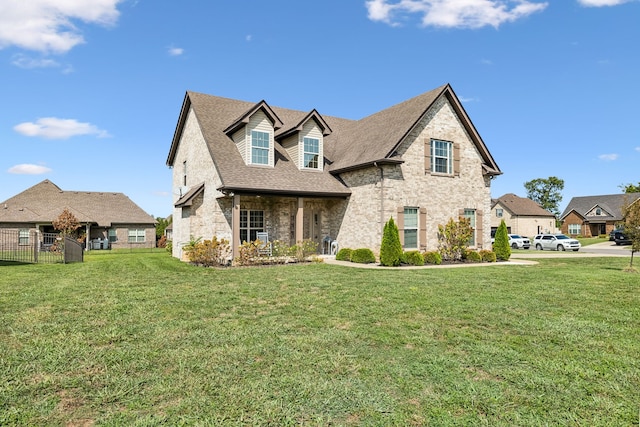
(412, 258)
(501, 243)
(390, 249)
(487, 255)
(473, 256)
(432, 258)
(363, 256)
(344, 254)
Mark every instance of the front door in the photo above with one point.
(313, 226)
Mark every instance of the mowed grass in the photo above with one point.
(142, 339)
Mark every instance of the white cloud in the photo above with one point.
(599, 3)
(454, 14)
(47, 25)
(608, 157)
(24, 61)
(176, 51)
(249, 37)
(28, 169)
(54, 128)
(638, 149)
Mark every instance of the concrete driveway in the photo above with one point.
(606, 248)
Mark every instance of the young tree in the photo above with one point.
(631, 221)
(454, 237)
(390, 248)
(66, 223)
(501, 244)
(161, 225)
(546, 193)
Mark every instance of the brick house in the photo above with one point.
(109, 220)
(240, 168)
(591, 216)
(521, 215)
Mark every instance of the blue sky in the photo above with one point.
(92, 90)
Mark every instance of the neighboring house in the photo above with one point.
(240, 168)
(591, 216)
(521, 215)
(108, 219)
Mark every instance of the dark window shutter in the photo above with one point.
(400, 224)
(427, 156)
(422, 224)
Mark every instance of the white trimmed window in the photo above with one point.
(471, 215)
(441, 156)
(23, 237)
(410, 228)
(136, 235)
(260, 147)
(311, 153)
(251, 222)
(499, 213)
(574, 229)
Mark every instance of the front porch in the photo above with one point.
(289, 220)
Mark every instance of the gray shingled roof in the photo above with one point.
(521, 206)
(611, 203)
(350, 144)
(45, 201)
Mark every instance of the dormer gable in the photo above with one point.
(304, 142)
(254, 134)
(599, 210)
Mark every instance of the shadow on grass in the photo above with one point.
(14, 263)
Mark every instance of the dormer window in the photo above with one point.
(311, 153)
(259, 147)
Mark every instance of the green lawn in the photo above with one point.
(142, 339)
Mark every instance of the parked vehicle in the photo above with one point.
(620, 238)
(519, 242)
(555, 242)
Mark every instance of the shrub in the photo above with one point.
(209, 253)
(169, 246)
(390, 249)
(501, 243)
(487, 255)
(248, 253)
(453, 238)
(432, 258)
(412, 258)
(344, 254)
(363, 256)
(162, 242)
(473, 256)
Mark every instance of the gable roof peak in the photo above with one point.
(245, 117)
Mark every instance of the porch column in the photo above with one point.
(87, 239)
(300, 220)
(235, 226)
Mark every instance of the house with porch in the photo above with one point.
(242, 168)
(592, 216)
(108, 220)
(521, 215)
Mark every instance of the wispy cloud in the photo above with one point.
(638, 149)
(28, 169)
(248, 37)
(175, 51)
(54, 128)
(608, 157)
(453, 14)
(48, 25)
(600, 3)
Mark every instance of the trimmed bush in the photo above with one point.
(473, 256)
(432, 258)
(390, 249)
(487, 255)
(501, 243)
(344, 254)
(363, 256)
(412, 258)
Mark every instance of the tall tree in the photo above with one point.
(631, 220)
(630, 188)
(546, 193)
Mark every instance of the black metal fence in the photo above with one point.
(29, 246)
